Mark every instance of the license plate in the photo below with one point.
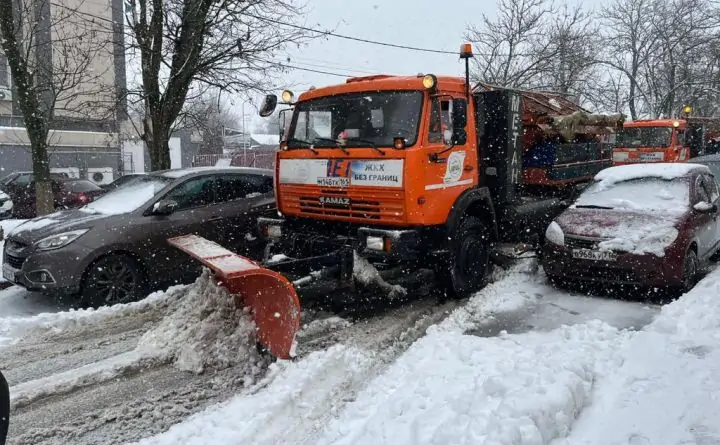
(8, 273)
(595, 255)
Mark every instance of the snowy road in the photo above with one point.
(126, 373)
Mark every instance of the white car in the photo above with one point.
(6, 206)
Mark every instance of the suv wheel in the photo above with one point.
(114, 279)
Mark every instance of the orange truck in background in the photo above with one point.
(666, 140)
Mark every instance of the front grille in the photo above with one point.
(375, 205)
(14, 261)
(582, 242)
(16, 258)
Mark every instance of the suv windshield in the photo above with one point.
(130, 197)
(645, 137)
(643, 194)
(375, 118)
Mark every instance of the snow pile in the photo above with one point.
(451, 388)
(668, 389)
(205, 330)
(299, 395)
(302, 397)
(667, 171)
(511, 289)
(642, 240)
(13, 328)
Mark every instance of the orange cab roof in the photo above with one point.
(655, 123)
(382, 82)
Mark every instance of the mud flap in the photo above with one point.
(272, 299)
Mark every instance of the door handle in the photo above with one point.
(214, 218)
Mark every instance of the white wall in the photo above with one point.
(175, 153)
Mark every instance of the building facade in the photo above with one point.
(79, 56)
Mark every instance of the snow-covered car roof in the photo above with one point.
(667, 171)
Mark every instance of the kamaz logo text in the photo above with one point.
(336, 200)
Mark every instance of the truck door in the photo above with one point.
(453, 168)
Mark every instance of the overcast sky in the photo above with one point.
(434, 24)
(419, 23)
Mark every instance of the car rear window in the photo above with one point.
(83, 186)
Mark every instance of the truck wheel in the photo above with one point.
(466, 270)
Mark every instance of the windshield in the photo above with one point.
(128, 198)
(645, 137)
(375, 118)
(644, 194)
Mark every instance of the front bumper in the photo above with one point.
(54, 271)
(645, 270)
(399, 245)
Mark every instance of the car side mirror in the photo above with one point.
(705, 207)
(164, 207)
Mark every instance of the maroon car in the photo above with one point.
(649, 225)
(67, 193)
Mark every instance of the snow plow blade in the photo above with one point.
(274, 304)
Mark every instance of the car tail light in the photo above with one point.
(82, 198)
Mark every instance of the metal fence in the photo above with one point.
(259, 158)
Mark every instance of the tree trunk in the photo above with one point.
(159, 148)
(44, 199)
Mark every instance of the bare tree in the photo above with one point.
(208, 116)
(51, 51)
(506, 46)
(668, 52)
(182, 45)
(568, 53)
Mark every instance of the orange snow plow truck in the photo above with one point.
(666, 140)
(382, 177)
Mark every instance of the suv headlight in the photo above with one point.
(555, 234)
(60, 240)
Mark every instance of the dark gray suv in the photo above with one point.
(115, 249)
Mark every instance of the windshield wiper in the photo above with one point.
(370, 143)
(302, 142)
(334, 142)
(591, 206)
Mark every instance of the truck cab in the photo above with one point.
(666, 140)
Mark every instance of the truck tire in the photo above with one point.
(467, 268)
(4, 409)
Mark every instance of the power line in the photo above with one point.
(356, 39)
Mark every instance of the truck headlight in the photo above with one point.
(555, 234)
(60, 240)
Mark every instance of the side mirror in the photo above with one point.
(164, 207)
(448, 138)
(705, 207)
(282, 120)
(268, 106)
(459, 118)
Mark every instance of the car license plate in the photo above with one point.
(8, 273)
(595, 255)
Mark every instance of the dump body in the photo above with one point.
(666, 140)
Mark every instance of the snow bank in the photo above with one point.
(13, 328)
(667, 391)
(205, 330)
(511, 289)
(454, 388)
(300, 395)
(635, 171)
